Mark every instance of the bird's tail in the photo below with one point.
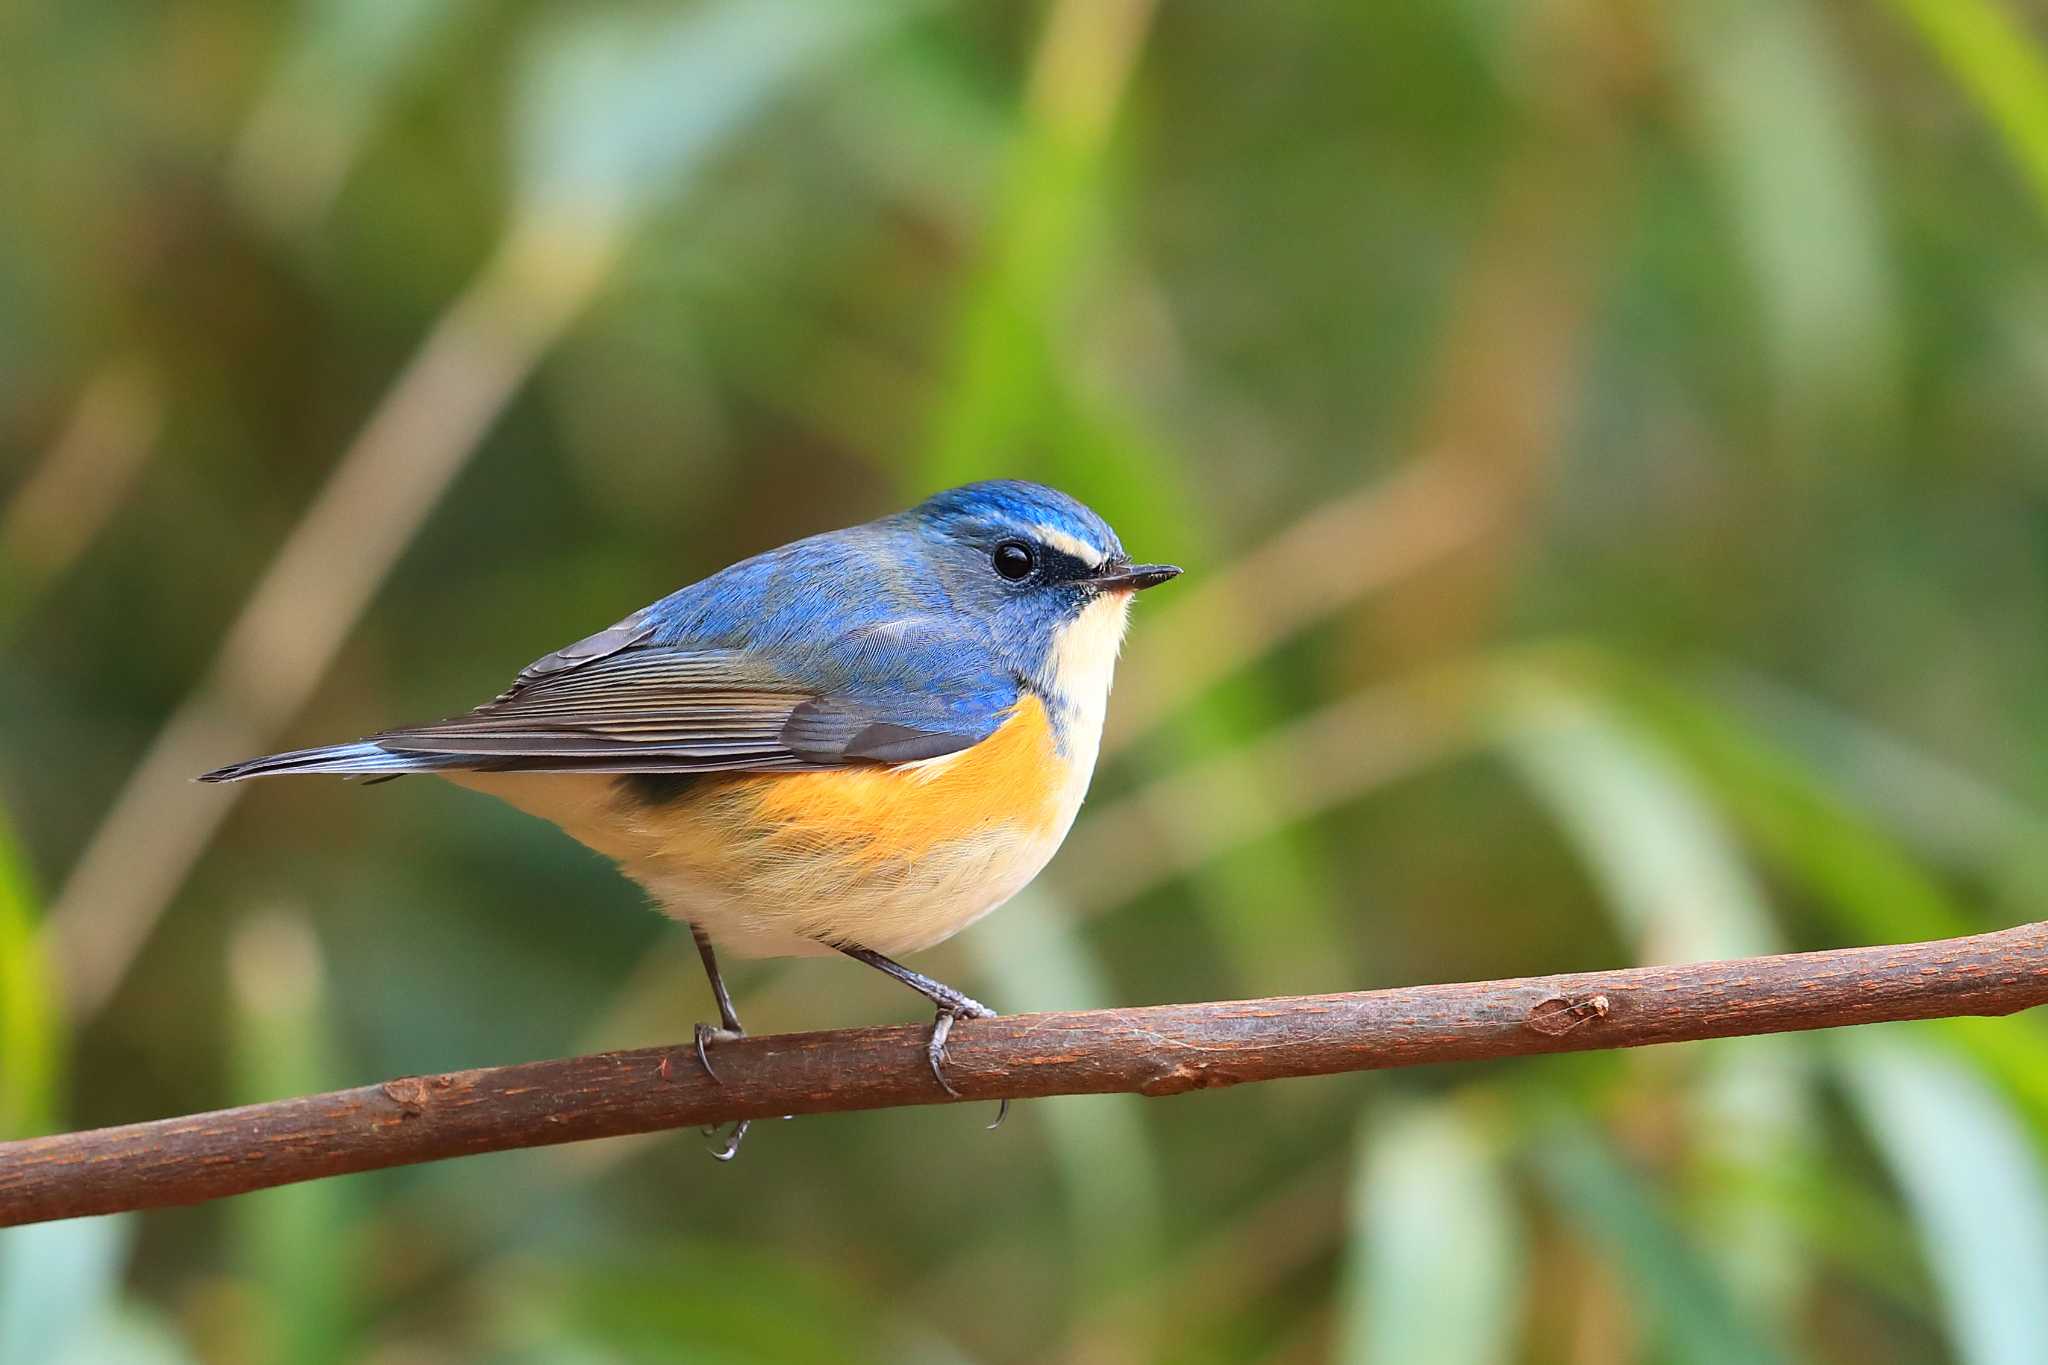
(361, 759)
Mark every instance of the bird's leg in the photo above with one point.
(951, 1005)
(728, 1018)
(729, 1021)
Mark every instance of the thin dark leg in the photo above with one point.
(950, 1003)
(726, 1014)
(729, 1019)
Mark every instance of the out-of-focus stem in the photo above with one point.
(1083, 65)
(1130, 846)
(382, 489)
(80, 482)
(1331, 558)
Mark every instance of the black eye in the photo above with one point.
(1014, 560)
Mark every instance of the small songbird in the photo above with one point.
(859, 743)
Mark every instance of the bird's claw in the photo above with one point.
(708, 1034)
(730, 1148)
(942, 1028)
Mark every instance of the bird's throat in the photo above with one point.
(1080, 667)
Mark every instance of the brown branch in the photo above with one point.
(1157, 1050)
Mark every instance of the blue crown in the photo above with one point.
(1002, 506)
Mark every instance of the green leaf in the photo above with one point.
(1009, 390)
(125, 1336)
(1975, 1185)
(1104, 1154)
(295, 1243)
(1674, 877)
(700, 1302)
(1666, 862)
(337, 71)
(1860, 879)
(1435, 1266)
(57, 1282)
(1776, 117)
(619, 105)
(2000, 65)
(31, 1043)
(1946, 814)
(1871, 888)
(1693, 1311)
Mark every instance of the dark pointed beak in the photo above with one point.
(1123, 576)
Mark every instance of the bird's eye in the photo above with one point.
(1014, 560)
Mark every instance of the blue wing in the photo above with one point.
(813, 656)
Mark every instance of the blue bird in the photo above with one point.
(858, 743)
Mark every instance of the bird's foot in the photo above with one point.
(951, 1005)
(706, 1034)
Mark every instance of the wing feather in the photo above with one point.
(644, 708)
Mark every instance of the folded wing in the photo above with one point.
(644, 708)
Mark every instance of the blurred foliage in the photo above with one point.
(1607, 444)
(29, 1030)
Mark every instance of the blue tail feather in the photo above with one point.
(361, 758)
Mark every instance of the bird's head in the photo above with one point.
(1042, 573)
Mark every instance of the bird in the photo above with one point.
(858, 743)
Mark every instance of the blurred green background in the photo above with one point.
(1607, 445)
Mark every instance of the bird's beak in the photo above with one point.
(1120, 575)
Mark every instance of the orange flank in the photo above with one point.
(892, 858)
(1010, 781)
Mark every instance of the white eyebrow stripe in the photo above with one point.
(1070, 544)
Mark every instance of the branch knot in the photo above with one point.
(1560, 1014)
